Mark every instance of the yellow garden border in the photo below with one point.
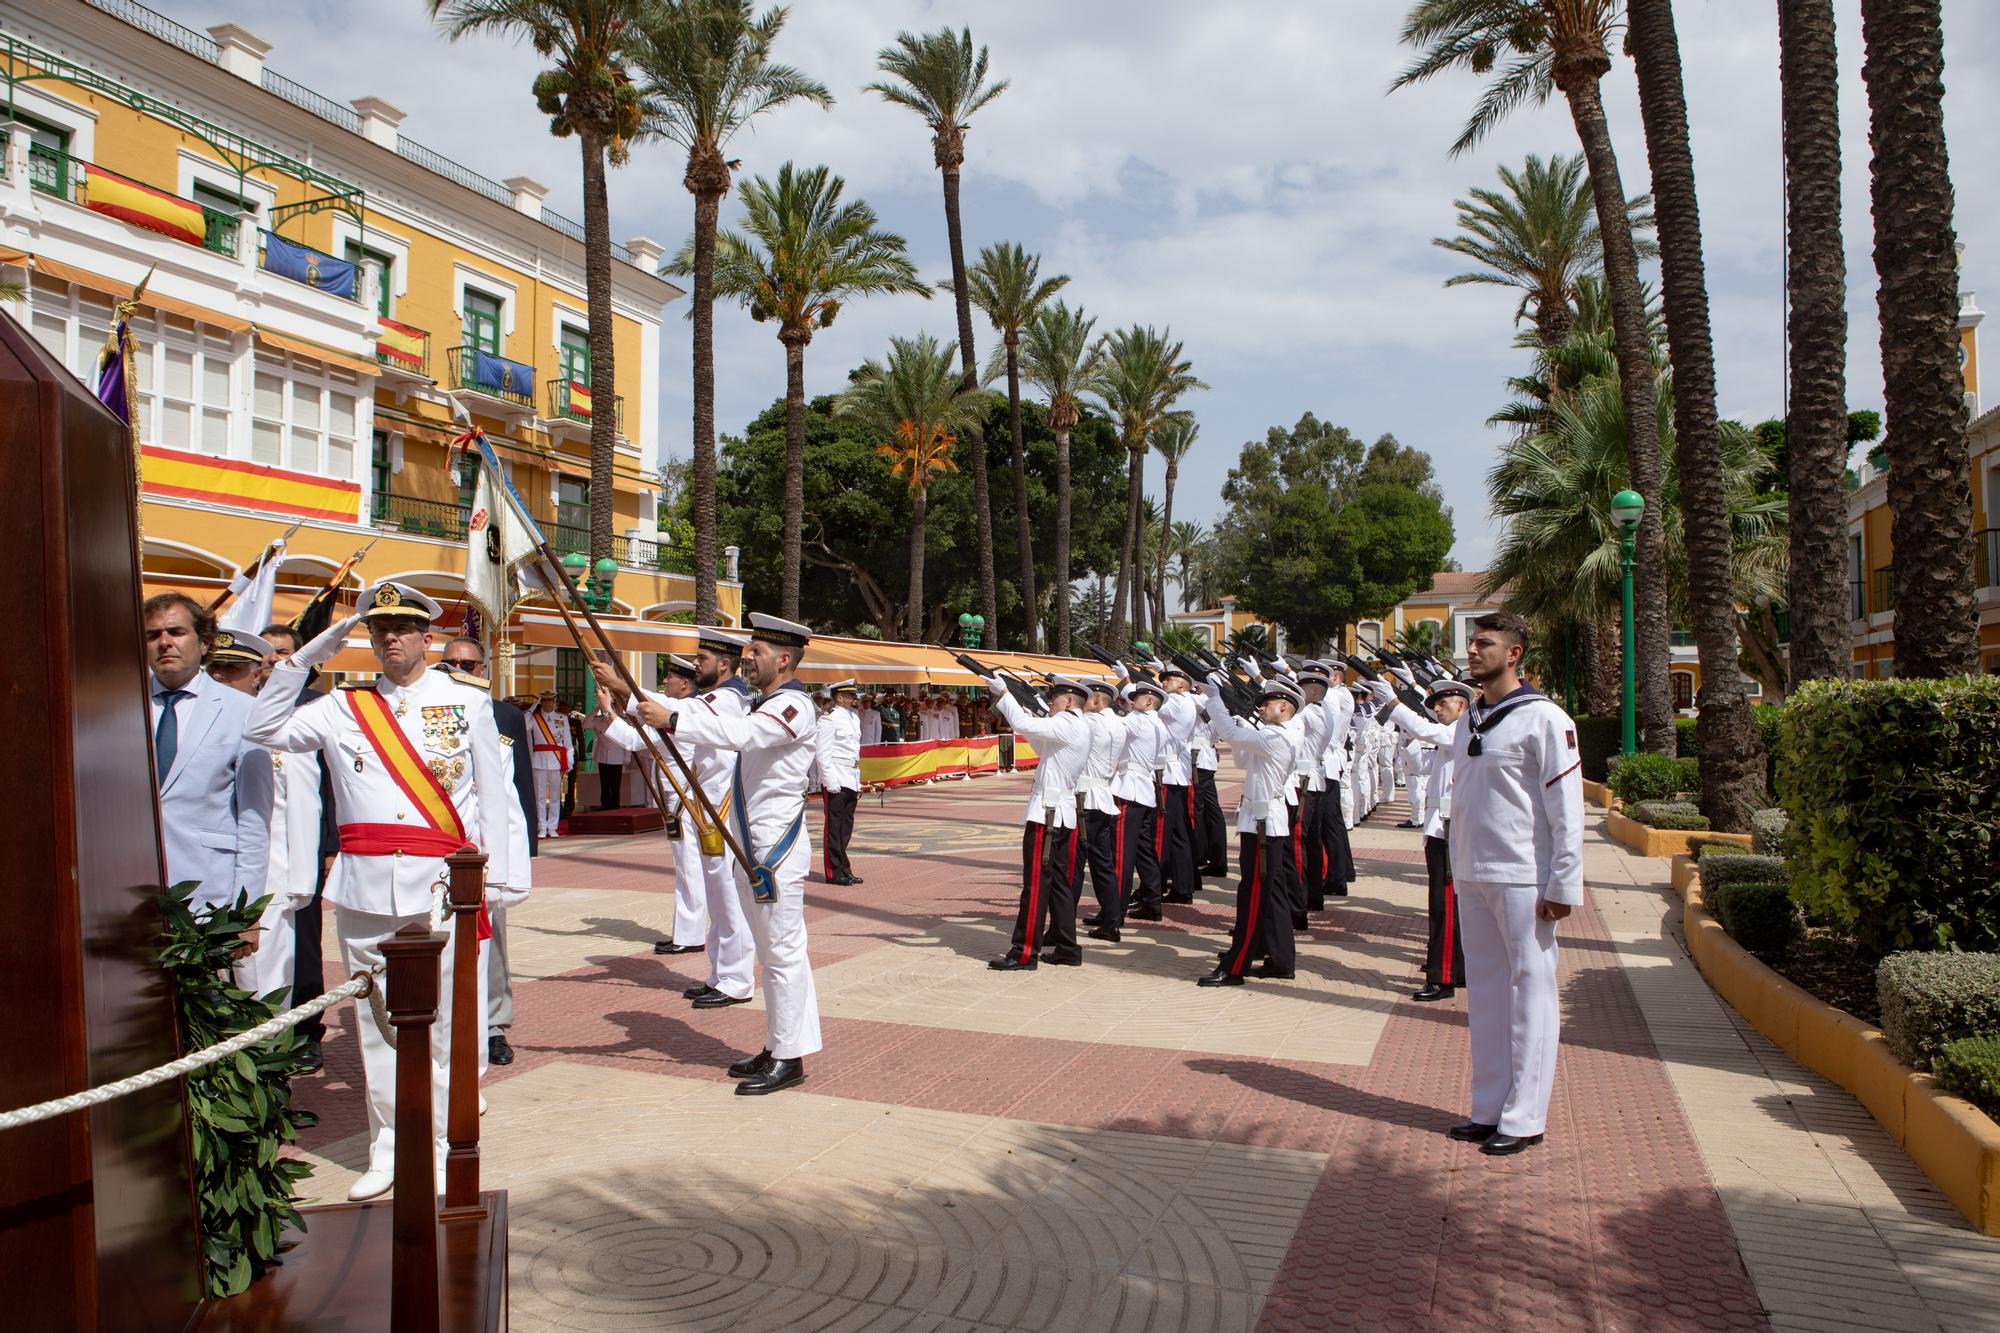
(1597, 794)
(1648, 841)
(1956, 1144)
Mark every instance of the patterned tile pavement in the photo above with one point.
(1107, 1147)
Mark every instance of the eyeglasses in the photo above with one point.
(462, 663)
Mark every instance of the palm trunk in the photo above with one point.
(1062, 644)
(707, 549)
(1642, 427)
(974, 436)
(1116, 629)
(1816, 281)
(1930, 476)
(1732, 767)
(1166, 527)
(1024, 526)
(1604, 683)
(913, 614)
(795, 469)
(603, 371)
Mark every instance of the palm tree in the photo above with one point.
(708, 72)
(919, 406)
(1144, 374)
(1732, 771)
(1007, 284)
(802, 253)
(587, 91)
(943, 79)
(1816, 326)
(1930, 472)
(1171, 441)
(1189, 540)
(1061, 358)
(1538, 234)
(1564, 45)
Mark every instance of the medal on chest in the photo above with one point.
(444, 726)
(446, 771)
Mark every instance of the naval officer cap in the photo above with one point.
(1275, 688)
(1444, 689)
(783, 633)
(680, 666)
(1314, 674)
(235, 646)
(840, 687)
(1139, 687)
(1105, 687)
(721, 643)
(1171, 670)
(388, 600)
(1065, 685)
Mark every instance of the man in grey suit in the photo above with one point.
(214, 787)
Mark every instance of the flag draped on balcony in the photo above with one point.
(144, 206)
(400, 343)
(497, 372)
(579, 399)
(302, 263)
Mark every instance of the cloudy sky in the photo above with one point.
(1233, 171)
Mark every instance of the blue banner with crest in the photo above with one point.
(302, 263)
(497, 372)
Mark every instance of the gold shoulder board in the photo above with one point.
(505, 739)
(467, 678)
(359, 684)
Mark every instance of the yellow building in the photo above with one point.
(1870, 551)
(326, 295)
(1216, 623)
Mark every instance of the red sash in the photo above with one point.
(444, 831)
(554, 746)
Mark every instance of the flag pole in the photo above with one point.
(121, 347)
(256, 567)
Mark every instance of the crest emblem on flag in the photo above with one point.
(478, 521)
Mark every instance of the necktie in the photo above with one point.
(166, 739)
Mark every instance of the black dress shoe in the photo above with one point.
(716, 999)
(756, 1064)
(1012, 963)
(698, 992)
(1435, 991)
(668, 949)
(310, 1060)
(1301, 922)
(1506, 1145)
(1097, 920)
(1219, 977)
(778, 1074)
(1064, 959)
(1149, 914)
(498, 1051)
(1105, 933)
(1270, 973)
(851, 879)
(1179, 899)
(1472, 1132)
(1409, 823)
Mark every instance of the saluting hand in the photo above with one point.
(327, 645)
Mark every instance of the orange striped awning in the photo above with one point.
(97, 282)
(143, 206)
(251, 485)
(291, 342)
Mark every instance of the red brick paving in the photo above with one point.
(1612, 1224)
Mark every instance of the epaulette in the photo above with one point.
(467, 678)
(368, 684)
(505, 739)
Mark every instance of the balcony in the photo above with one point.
(56, 173)
(1989, 550)
(570, 401)
(441, 520)
(474, 370)
(641, 554)
(1881, 590)
(308, 267)
(403, 348)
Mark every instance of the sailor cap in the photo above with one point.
(848, 686)
(721, 642)
(1059, 684)
(1439, 689)
(775, 629)
(680, 666)
(1139, 687)
(1282, 689)
(231, 645)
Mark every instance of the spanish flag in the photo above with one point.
(144, 206)
(401, 343)
(579, 399)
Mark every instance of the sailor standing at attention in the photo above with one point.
(1143, 738)
(767, 817)
(549, 742)
(1265, 748)
(1100, 807)
(1444, 955)
(1312, 720)
(1336, 854)
(418, 771)
(1175, 838)
(1516, 843)
(838, 742)
(1047, 916)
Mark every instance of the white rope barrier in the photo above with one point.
(363, 984)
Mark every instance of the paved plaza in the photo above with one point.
(1112, 1148)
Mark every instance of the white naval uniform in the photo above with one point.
(775, 743)
(1062, 742)
(1516, 838)
(1107, 740)
(1180, 715)
(1201, 746)
(550, 759)
(1140, 756)
(291, 874)
(837, 750)
(608, 751)
(1385, 757)
(871, 726)
(1268, 756)
(1307, 775)
(375, 894)
(1416, 767)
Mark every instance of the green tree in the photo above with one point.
(942, 78)
(1528, 50)
(1007, 284)
(708, 72)
(587, 92)
(1171, 441)
(803, 252)
(1060, 357)
(1144, 375)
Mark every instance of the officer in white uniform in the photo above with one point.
(1444, 952)
(1313, 720)
(1211, 830)
(550, 745)
(418, 770)
(774, 742)
(1516, 842)
(1097, 807)
(1267, 750)
(611, 759)
(1134, 786)
(1179, 713)
(1337, 855)
(871, 723)
(1047, 915)
(838, 745)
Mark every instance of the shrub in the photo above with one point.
(1654, 777)
(1761, 917)
(1697, 846)
(1686, 742)
(1717, 871)
(1669, 815)
(1767, 831)
(1931, 999)
(1597, 741)
(1970, 1067)
(1892, 793)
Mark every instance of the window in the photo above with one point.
(573, 502)
(192, 394)
(304, 416)
(1683, 689)
(380, 268)
(221, 201)
(569, 675)
(468, 479)
(48, 155)
(378, 463)
(575, 353)
(482, 321)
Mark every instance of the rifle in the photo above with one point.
(1409, 698)
(1237, 696)
(1023, 693)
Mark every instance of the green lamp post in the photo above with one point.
(971, 629)
(1626, 508)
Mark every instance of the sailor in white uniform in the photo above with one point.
(767, 818)
(871, 723)
(1133, 785)
(693, 924)
(1047, 915)
(1099, 806)
(1211, 830)
(1267, 750)
(1336, 854)
(418, 771)
(1174, 838)
(552, 752)
(838, 742)
(1516, 841)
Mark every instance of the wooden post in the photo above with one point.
(461, 1159)
(413, 954)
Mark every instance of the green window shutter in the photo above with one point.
(576, 355)
(482, 321)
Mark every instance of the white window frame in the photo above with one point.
(198, 170)
(487, 284)
(80, 121)
(346, 229)
(295, 371)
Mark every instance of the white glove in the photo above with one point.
(1405, 675)
(1214, 681)
(1250, 665)
(997, 685)
(328, 645)
(1384, 692)
(1123, 674)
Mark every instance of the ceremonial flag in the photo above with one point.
(500, 538)
(400, 343)
(302, 263)
(254, 590)
(579, 399)
(113, 389)
(144, 206)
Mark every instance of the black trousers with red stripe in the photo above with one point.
(1137, 859)
(1444, 958)
(1175, 844)
(1211, 830)
(1288, 871)
(1047, 917)
(1100, 854)
(1263, 919)
(839, 828)
(1312, 865)
(1337, 871)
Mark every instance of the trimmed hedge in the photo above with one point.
(1932, 999)
(1767, 831)
(1760, 917)
(1697, 847)
(1654, 777)
(1892, 793)
(1738, 868)
(1970, 1067)
(1669, 815)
